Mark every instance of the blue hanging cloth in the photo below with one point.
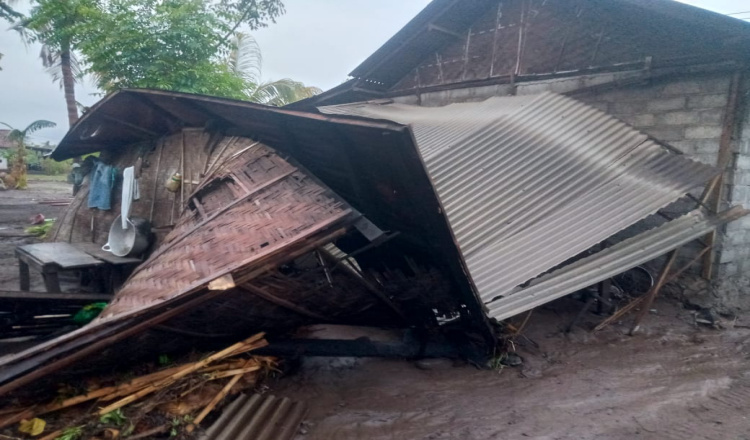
(102, 181)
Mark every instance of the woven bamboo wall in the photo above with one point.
(252, 207)
(161, 159)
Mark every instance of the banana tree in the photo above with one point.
(18, 171)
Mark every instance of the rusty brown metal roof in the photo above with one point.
(527, 182)
(258, 417)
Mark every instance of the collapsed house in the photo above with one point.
(411, 211)
(380, 214)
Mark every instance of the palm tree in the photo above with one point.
(54, 24)
(245, 60)
(8, 14)
(19, 137)
(64, 68)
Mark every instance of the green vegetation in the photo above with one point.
(115, 417)
(52, 167)
(182, 45)
(8, 14)
(20, 137)
(42, 230)
(46, 178)
(74, 433)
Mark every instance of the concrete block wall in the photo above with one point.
(686, 112)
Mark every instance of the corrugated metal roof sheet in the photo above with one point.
(528, 182)
(257, 417)
(609, 262)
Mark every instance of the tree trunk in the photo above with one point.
(18, 171)
(68, 83)
(69, 87)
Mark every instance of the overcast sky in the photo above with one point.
(317, 42)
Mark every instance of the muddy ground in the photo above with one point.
(674, 380)
(16, 208)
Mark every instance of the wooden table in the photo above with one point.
(114, 269)
(51, 258)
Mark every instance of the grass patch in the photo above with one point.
(46, 178)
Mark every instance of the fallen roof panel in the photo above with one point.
(612, 261)
(258, 417)
(527, 182)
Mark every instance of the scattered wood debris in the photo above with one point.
(173, 400)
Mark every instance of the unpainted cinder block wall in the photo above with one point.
(733, 281)
(688, 113)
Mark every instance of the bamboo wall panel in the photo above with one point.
(252, 204)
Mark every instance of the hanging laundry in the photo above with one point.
(130, 192)
(101, 183)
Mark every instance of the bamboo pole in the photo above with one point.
(249, 344)
(157, 182)
(153, 381)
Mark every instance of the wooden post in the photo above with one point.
(715, 194)
(23, 272)
(651, 295)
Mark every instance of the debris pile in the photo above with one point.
(173, 400)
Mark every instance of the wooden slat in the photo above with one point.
(84, 298)
(96, 251)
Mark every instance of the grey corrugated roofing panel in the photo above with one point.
(528, 182)
(609, 262)
(257, 417)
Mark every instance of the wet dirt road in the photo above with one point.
(672, 381)
(16, 207)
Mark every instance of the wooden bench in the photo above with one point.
(51, 258)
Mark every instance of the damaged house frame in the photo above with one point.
(465, 214)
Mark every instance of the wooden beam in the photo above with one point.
(84, 298)
(273, 299)
(434, 27)
(366, 284)
(133, 127)
(651, 295)
(716, 192)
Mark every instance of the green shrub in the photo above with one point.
(53, 168)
